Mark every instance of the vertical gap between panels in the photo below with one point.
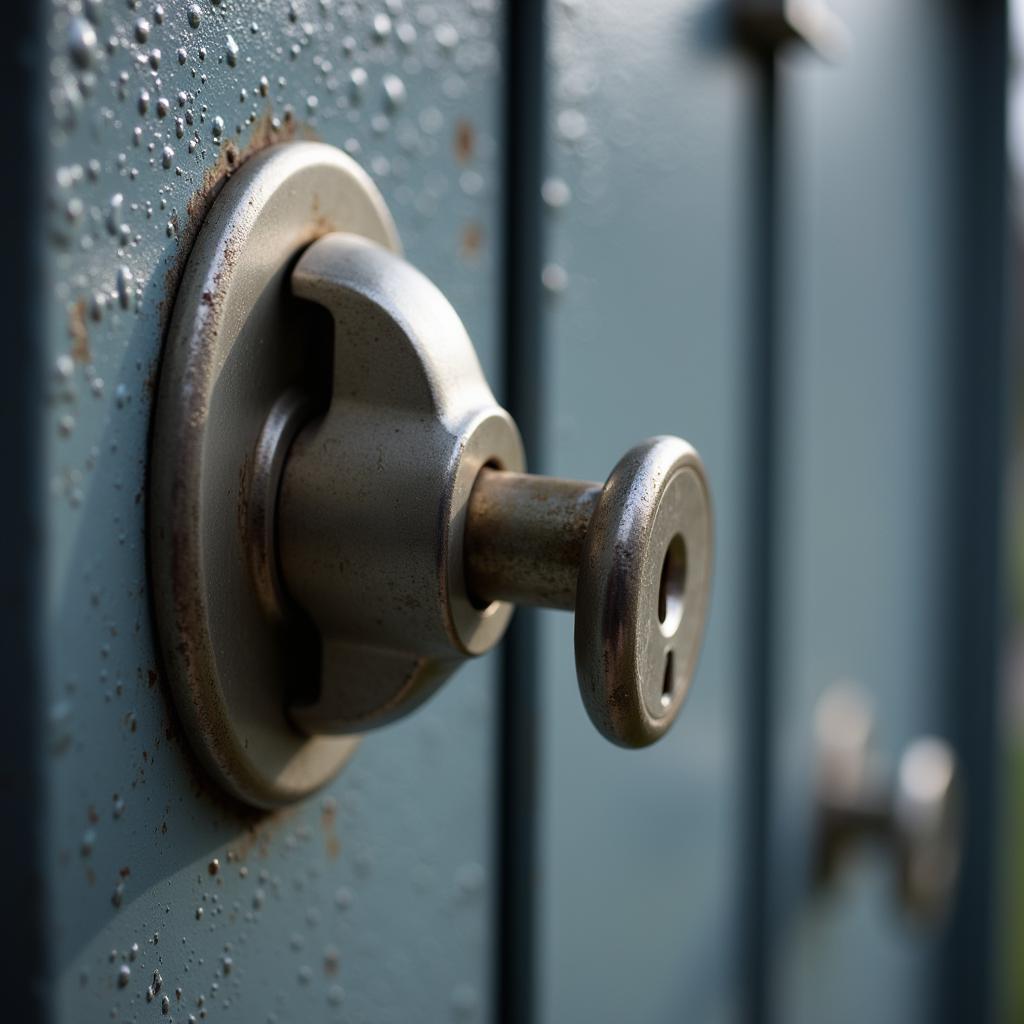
(23, 803)
(518, 734)
(761, 452)
(978, 403)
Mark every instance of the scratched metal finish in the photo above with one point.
(648, 201)
(372, 900)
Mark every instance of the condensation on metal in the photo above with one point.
(164, 890)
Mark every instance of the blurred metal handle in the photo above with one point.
(768, 25)
(915, 812)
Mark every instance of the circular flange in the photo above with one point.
(642, 591)
(231, 353)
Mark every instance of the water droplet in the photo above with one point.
(217, 127)
(199, 913)
(114, 213)
(406, 34)
(264, 85)
(556, 193)
(357, 79)
(165, 1005)
(335, 995)
(381, 26)
(447, 36)
(117, 897)
(125, 286)
(143, 103)
(305, 974)
(195, 15)
(167, 157)
(554, 278)
(182, 55)
(572, 125)
(124, 975)
(311, 104)
(65, 366)
(81, 42)
(394, 91)
(231, 51)
(141, 30)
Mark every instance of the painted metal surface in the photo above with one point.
(646, 331)
(864, 398)
(165, 898)
(375, 901)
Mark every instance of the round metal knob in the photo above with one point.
(632, 558)
(915, 812)
(413, 441)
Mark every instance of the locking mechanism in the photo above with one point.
(339, 510)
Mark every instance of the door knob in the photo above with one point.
(340, 513)
(915, 811)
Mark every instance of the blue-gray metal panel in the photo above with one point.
(372, 901)
(867, 208)
(646, 325)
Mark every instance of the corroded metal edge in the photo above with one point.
(213, 398)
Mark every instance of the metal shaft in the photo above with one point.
(524, 537)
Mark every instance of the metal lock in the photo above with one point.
(916, 812)
(339, 513)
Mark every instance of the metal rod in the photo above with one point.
(524, 537)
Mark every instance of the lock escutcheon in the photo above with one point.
(325, 557)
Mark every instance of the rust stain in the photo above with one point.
(257, 836)
(262, 135)
(79, 333)
(472, 241)
(465, 141)
(328, 820)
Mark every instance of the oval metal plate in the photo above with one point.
(233, 349)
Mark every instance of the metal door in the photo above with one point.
(374, 900)
(650, 222)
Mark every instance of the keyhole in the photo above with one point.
(669, 682)
(673, 584)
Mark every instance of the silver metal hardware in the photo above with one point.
(339, 510)
(916, 811)
(771, 24)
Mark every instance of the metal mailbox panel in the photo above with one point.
(371, 901)
(866, 173)
(640, 852)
